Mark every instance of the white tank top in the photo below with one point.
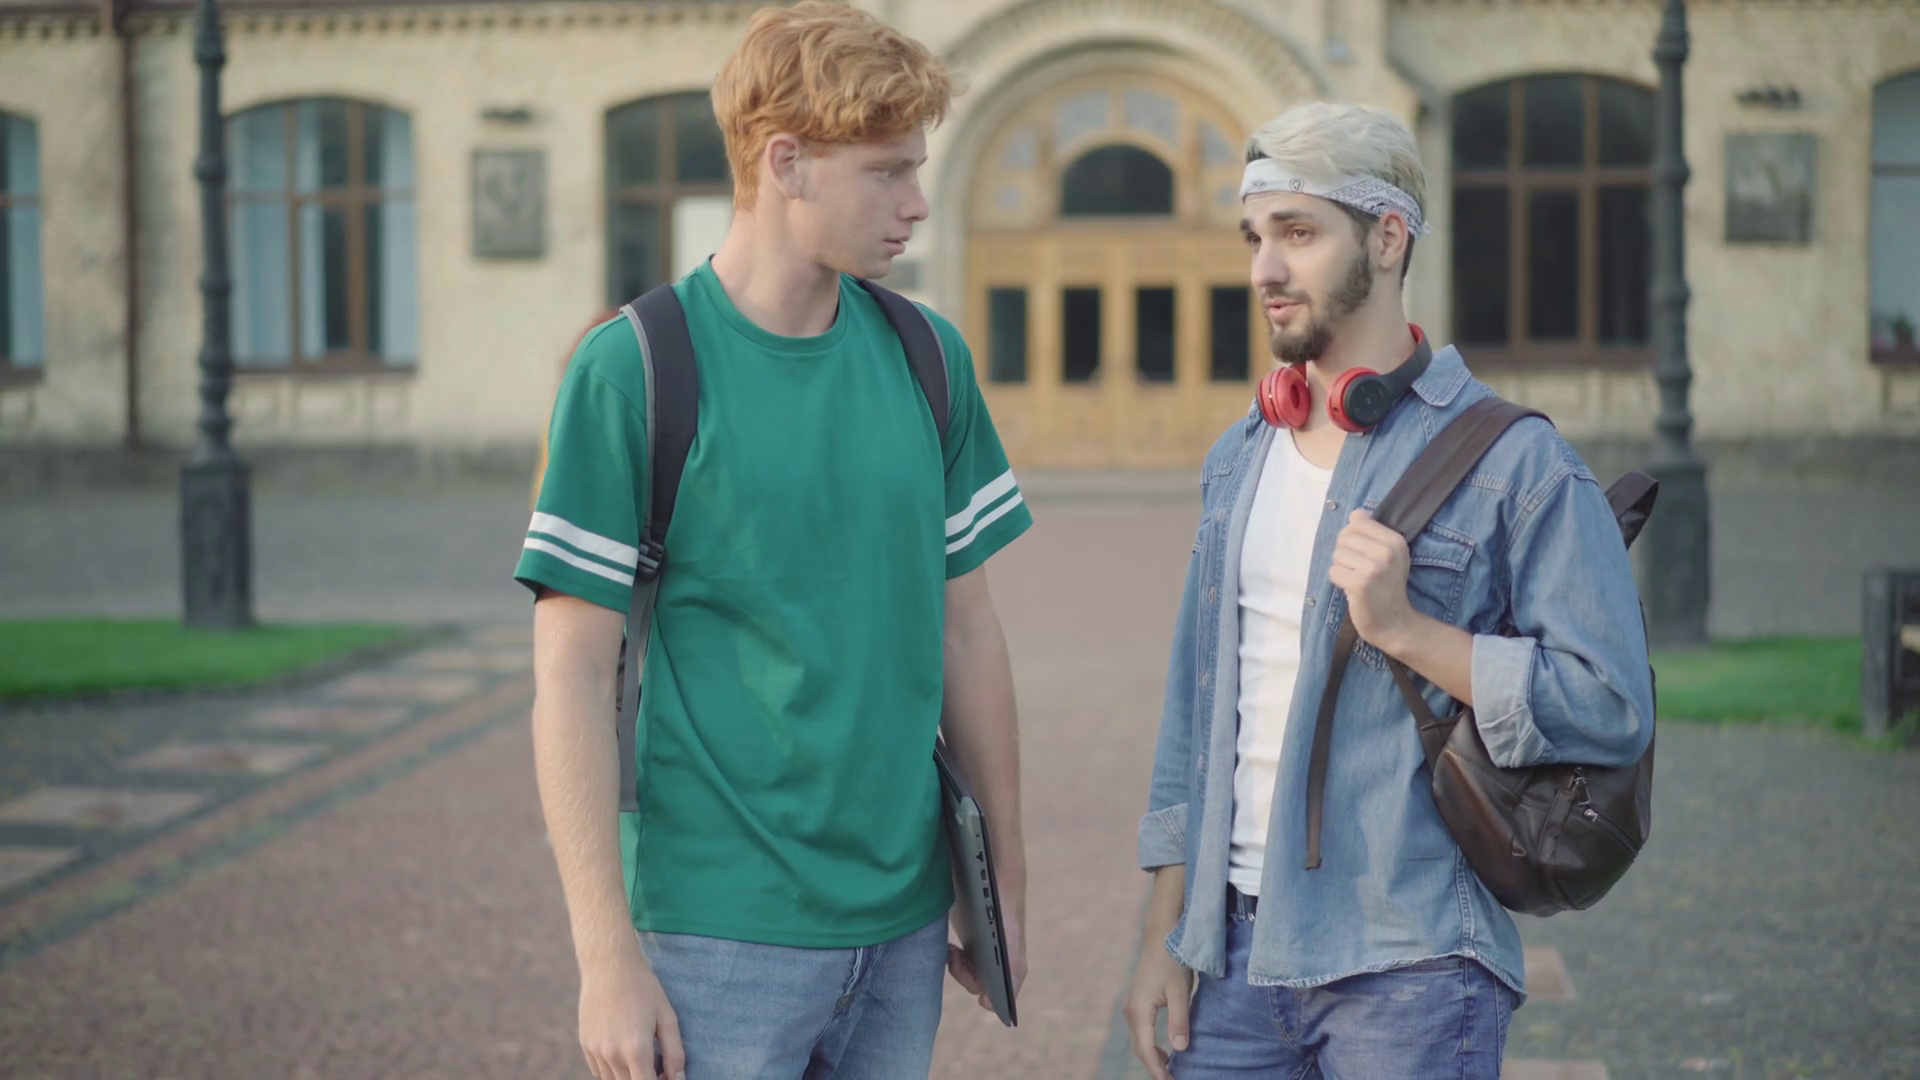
(1274, 562)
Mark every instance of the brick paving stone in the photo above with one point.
(82, 807)
(327, 719)
(1769, 924)
(255, 814)
(258, 758)
(20, 864)
(403, 686)
(1547, 978)
(417, 930)
(1779, 565)
(1536, 1069)
(1088, 599)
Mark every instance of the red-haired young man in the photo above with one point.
(825, 606)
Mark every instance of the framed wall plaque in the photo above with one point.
(1770, 188)
(509, 204)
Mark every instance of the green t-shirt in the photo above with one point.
(787, 793)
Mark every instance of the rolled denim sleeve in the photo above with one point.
(1163, 829)
(1573, 685)
(1163, 837)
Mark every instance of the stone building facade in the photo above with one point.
(429, 200)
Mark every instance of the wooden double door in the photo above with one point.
(1124, 344)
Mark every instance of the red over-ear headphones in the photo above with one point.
(1358, 400)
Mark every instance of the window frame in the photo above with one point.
(1064, 217)
(1520, 181)
(1884, 356)
(355, 197)
(12, 372)
(663, 192)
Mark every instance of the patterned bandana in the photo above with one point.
(1368, 194)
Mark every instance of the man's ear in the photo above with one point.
(786, 165)
(1390, 242)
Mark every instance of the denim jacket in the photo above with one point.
(1527, 544)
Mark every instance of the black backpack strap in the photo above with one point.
(1409, 505)
(925, 354)
(673, 415)
(1631, 499)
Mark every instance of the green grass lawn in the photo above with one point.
(42, 657)
(1812, 681)
(1797, 680)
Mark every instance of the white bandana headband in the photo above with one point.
(1367, 194)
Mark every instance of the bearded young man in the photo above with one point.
(1366, 947)
(777, 908)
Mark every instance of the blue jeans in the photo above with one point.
(1439, 1018)
(773, 1012)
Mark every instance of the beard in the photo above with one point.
(1312, 342)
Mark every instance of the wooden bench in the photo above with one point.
(1890, 651)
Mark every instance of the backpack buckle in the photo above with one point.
(652, 555)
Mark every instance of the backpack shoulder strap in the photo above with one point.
(925, 354)
(672, 378)
(1631, 499)
(673, 404)
(1407, 508)
(1430, 480)
(673, 415)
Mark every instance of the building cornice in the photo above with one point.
(373, 17)
(1647, 5)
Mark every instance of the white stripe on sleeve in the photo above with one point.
(591, 543)
(973, 534)
(982, 499)
(534, 543)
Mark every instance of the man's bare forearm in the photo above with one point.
(982, 725)
(576, 765)
(1440, 653)
(1165, 905)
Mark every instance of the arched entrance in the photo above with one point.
(1107, 288)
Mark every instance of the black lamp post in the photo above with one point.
(1677, 575)
(215, 513)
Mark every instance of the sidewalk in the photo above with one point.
(395, 913)
(362, 888)
(1787, 555)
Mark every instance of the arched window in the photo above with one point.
(323, 236)
(669, 195)
(22, 333)
(1895, 228)
(1552, 245)
(1116, 181)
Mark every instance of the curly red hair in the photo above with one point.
(826, 73)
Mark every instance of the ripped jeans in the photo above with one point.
(1438, 1018)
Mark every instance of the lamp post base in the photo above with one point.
(1678, 551)
(216, 515)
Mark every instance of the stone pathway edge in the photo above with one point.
(64, 908)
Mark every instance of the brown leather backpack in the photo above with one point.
(1544, 839)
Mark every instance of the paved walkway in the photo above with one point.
(351, 919)
(351, 880)
(1788, 554)
(1771, 929)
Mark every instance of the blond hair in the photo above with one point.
(825, 73)
(1322, 141)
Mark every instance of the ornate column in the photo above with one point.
(215, 511)
(1677, 570)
